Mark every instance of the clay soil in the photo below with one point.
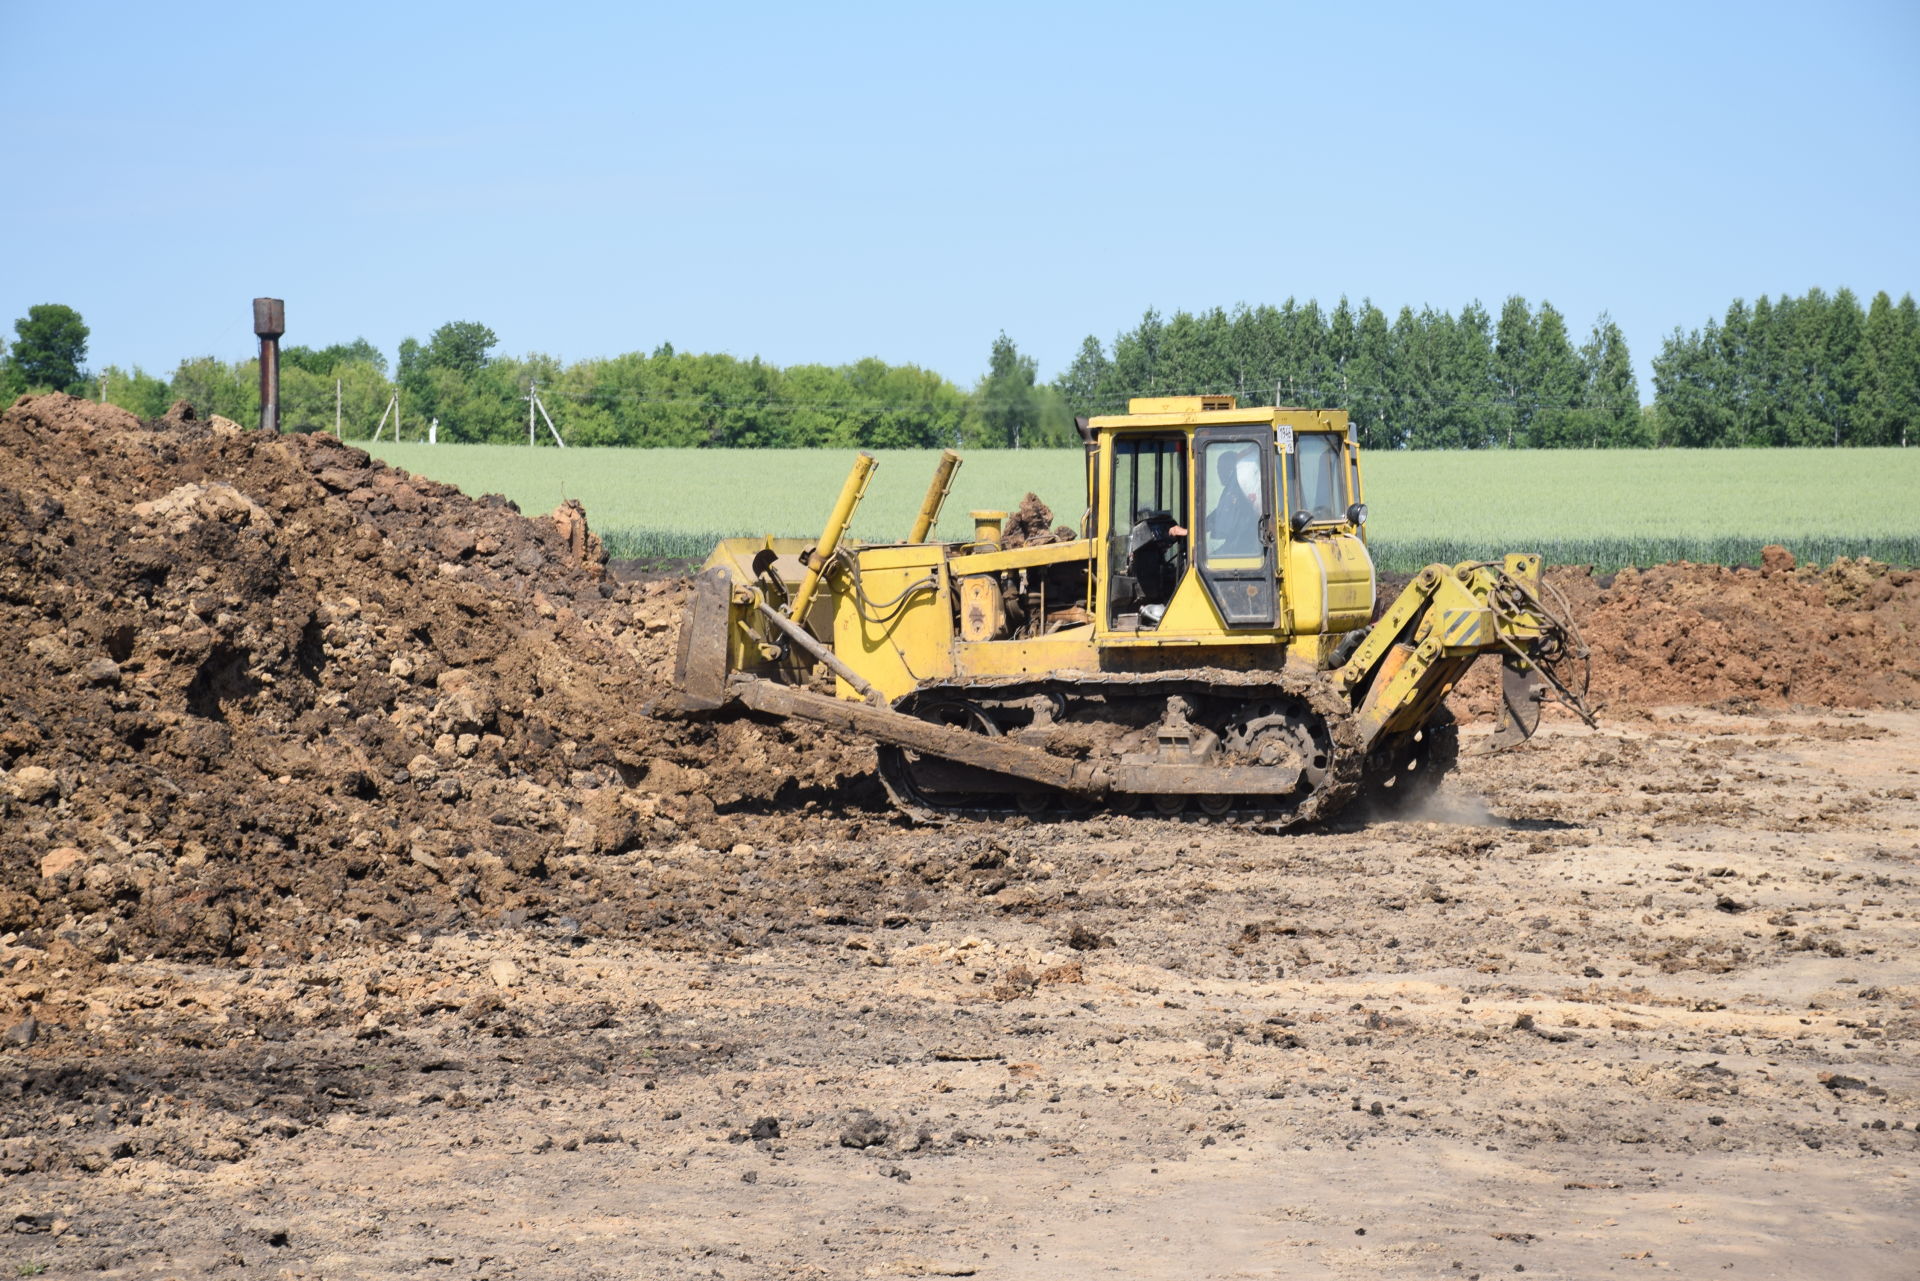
(359, 917)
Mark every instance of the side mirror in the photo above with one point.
(1299, 520)
(1357, 515)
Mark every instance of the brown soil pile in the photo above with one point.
(1033, 524)
(264, 691)
(1841, 636)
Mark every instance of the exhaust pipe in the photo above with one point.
(936, 497)
(269, 322)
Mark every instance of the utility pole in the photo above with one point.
(534, 402)
(336, 410)
(393, 407)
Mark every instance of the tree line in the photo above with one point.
(662, 398)
(1424, 380)
(1815, 370)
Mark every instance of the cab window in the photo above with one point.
(1235, 501)
(1314, 471)
(1148, 498)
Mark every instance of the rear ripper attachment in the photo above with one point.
(1202, 640)
(1402, 667)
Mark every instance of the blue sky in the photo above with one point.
(822, 185)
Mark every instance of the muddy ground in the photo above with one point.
(361, 922)
(1664, 1021)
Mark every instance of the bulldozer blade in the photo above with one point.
(1521, 693)
(700, 671)
(995, 755)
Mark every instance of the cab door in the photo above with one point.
(1147, 481)
(1233, 543)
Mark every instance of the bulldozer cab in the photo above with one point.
(1221, 525)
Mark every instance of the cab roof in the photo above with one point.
(1161, 412)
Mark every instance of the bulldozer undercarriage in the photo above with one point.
(1270, 749)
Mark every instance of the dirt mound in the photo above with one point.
(266, 691)
(1840, 636)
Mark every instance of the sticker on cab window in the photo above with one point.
(1286, 439)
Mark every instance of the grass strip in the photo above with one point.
(1403, 556)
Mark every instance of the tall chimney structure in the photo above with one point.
(269, 322)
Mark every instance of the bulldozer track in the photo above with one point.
(1314, 692)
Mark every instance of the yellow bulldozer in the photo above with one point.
(1207, 637)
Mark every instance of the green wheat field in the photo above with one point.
(1608, 508)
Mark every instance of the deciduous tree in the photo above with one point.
(1553, 381)
(49, 349)
(1512, 347)
(1006, 407)
(1085, 379)
(1610, 392)
(135, 390)
(462, 346)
